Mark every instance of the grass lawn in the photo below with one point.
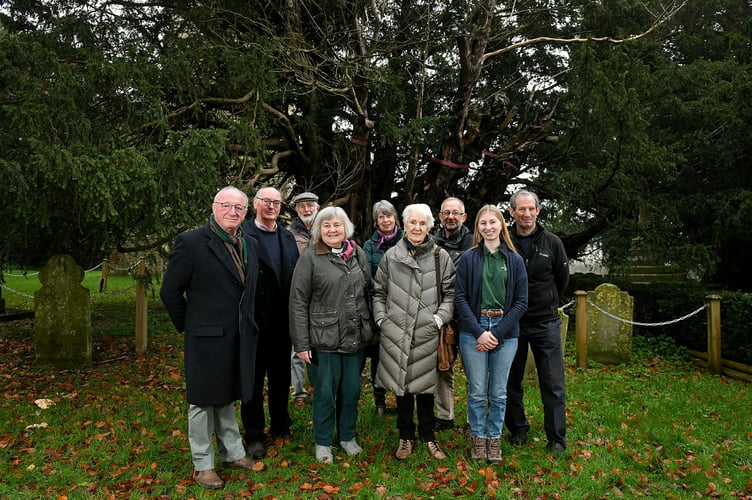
(657, 428)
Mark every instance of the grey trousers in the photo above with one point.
(203, 422)
(445, 395)
(297, 375)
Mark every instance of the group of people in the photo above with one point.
(259, 302)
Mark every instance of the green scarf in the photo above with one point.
(235, 245)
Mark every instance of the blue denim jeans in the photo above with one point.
(487, 374)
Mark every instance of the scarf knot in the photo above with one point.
(386, 238)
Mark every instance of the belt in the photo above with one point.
(491, 313)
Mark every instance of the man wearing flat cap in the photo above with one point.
(306, 206)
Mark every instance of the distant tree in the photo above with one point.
(655, 143)
(119, 120)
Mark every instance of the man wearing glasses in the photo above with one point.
(278, 254)
(455, 238)
(216, 266)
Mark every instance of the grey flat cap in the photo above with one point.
(305, 197)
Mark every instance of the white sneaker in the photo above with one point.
(351, 447)
(324, 454)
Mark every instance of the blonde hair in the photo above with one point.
(478, 237)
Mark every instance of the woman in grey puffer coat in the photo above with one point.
(410, 310)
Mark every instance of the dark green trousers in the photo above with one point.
(336, 389)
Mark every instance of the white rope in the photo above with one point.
(92, 297)
(125, 268)
(87, 271)
(16, 292)
(568, 305)
(638, 323)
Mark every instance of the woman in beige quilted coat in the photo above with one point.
(410, 309)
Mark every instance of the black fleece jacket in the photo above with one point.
(547, 273)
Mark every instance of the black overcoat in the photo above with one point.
(205, 298)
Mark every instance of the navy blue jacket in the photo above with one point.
(468, 293)
(273, 293)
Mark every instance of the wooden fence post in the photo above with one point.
(580, 320)
(141, 309)
(714, 333)
(103, 279)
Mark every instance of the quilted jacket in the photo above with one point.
(405, 300)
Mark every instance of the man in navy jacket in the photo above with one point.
(278, 254)
(548, 276)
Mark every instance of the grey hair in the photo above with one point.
(258, 191)
(453, 198)
(228, 189)
(523, 193)
(329, 213)
(420, 209)
(383, 207)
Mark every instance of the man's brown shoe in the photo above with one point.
(208, 479)
(242, 463)
(298, 403)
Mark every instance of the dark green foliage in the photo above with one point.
(118, 121)
(659, 140)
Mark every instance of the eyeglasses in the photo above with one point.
(270, 203)
(226, 207)
(453, 213)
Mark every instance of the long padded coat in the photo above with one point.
(205, 298)
(405, 300)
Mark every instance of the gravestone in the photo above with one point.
(62, 324)
(609, 340)
(531, 374)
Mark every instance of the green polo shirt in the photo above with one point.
(494, 280)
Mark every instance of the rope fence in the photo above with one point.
(102, 295)
(713, 356)
(138, 270)
(581, 303)
(639, 323)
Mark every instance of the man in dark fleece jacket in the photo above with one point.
(548, 276)
(454, 237)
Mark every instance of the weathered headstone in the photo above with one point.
(531, 374)
(609, 340)
(62, 324)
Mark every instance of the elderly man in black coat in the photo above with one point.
(278, 254)
(208, 290)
